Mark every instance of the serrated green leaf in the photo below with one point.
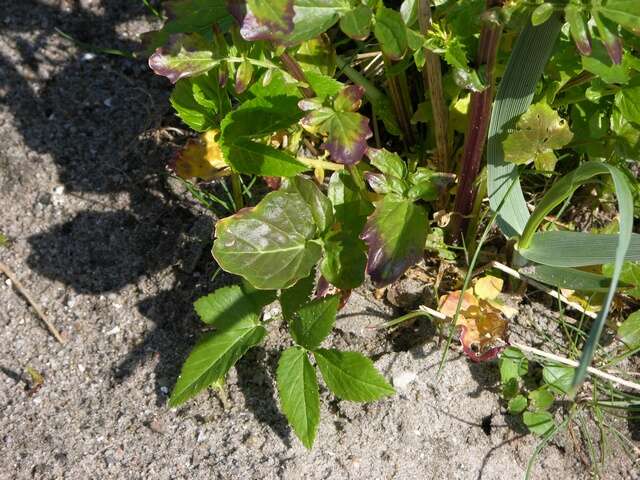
(198, 117)
(538, 132)
(254, 158)
(513, 365)
(600, 64)
(213, 356)
(541, 399)
(351, 376)
(628, 101)
(356, 23)
(517, 404)
(228, 305)
(350, 208)
(314, 321)
(391, 32)
(317, 55)
(538, 422)
(271, 245)
(344, 260)
(298, 390)
(387, 162)
(323, 85)
(629, 331)
(267, 20)
(313, 17)
(395, 234)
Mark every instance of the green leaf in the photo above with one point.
(267, 19)
(628, 101)
(344, 260)
(395, 234)
(426, 184)
(214, 355)
(271, 245)
(539, 131)
(185, 16)
(294, 297)
(317, 55)
(558, 378)
(350, 208)
(517, 87)
(351, 376)
(517, 404)
(630, 275)
(510, 388)
(623, 12)
(391, 32)
(513, 364)
(578, 28)
(387, 162)
(600, 64)
(257, 118)
(347, 131)
(577, 249)
(228, 305)
(538, 422)
(314, 321)
(323, 85)
(541, 14)
(356, 23)
(195, 115)
(541, 399)
(570, 278)
(298, 389)
(184, 56)
(318, 203)
(313, 17)
(629, 331)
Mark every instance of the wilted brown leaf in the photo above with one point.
(201, 158)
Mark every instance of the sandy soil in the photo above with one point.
(116, 258)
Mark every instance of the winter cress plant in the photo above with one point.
(381, 128)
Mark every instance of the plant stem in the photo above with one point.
(479, 117)
(399, 105)
(236, 190)
(370, 90)
(316, 163)
(432, 74)
(296, 72)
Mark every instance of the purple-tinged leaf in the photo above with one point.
(395, 234)
(349, 99)
(578, 27)
(184, 56)
(309, 104)
(244, 73)
(611, 42)
(263, 19)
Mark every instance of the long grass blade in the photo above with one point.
(517, 87)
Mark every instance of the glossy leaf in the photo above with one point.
(351, 376)
(387, 162)
(629, 331)
(298, 390)
(183, 56)
(541, 399)
(228, 305)
(578, 28)
(537, 134)
(623, 12)
(318, 203)
(391, 32)
(313, 17)
(314, 321)
(214, 355)
(395, 234)
(191, 111)
(541, 14)
(351, 209)
(517, 404)
(271, 245)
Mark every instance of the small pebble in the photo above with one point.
(403, 379)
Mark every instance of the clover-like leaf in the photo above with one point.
(272, 245)
(538, 132)
(351, 376)
(346, 130)
(298, 390)
(313, 321)
(538, 422)
(513, 364)
(185, 55)
(558, 377)
(395, 234)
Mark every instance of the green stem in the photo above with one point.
(370, 90)
(236, 190)
(296, 72)
(316, 163)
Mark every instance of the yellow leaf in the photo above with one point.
(488, 287)
(201, 158)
